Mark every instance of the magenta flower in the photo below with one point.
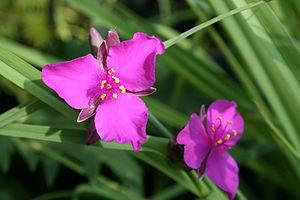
(108, 86)
(206, 139)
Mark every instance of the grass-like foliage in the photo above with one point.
(240, 50)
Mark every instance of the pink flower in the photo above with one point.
(108, 86)
(206, 139)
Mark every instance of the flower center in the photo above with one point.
(111, 86)
(226, 133)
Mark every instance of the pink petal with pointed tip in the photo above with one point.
(112, 38)
(193, 133)
(222, 169)
(95, 40)
(196, 142)
(134, 61)
(75, 81)
(123, 119)
(194, 154)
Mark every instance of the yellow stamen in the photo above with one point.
(117, 80)
(102, 84)
(227, 137)
(219, 118)
(234, 132)
(103, 96)
(122, 88)
(213, 128)
(111, 71)
(115, 95)
(229, 122)
(219, 142)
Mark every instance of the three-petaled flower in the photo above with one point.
(108, 86)
(206, 139)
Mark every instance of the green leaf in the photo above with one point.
(193, 30)
(6, 149)
(46, 133)
(27, 153)
(169, 193)
(51, 169)
(31, 55)
(27, 77)
(20, 111)
(99, 192)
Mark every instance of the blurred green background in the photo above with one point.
(251, 58)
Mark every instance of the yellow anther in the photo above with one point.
(229, 122)
(213, 128)
(117, 80)
(111, 71)
(102, 84)
(219, 141)
(115, 95)
(234, 132)
(227, 137)
(103, 96)
(122, 88)
(219, 118)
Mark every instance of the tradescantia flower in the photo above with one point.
(206, 139)
(108, 85)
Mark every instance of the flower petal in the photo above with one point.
(194, 154)
(112, 38)
(226, 119)
(238, 126)
(193, 133)
(222, 169)
(75, 81)
(123, 119)
(196, 142)
(134, 61)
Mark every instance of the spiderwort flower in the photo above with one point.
(108, 86)
(206, 139)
